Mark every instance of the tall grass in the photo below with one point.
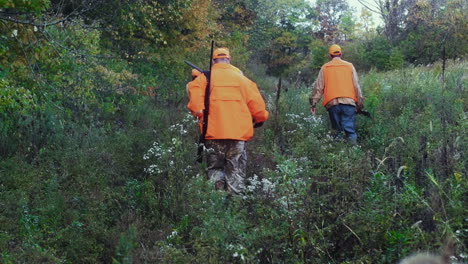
(131, 191)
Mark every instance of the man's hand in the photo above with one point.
(312, 110)
(199, 116)
(359, 106)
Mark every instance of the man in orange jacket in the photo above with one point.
(235, 106)
(338, 83)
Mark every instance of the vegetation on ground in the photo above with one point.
(97, 149)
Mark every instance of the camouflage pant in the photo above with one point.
(227, 163)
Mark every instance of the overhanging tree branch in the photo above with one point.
(32, 22)
(367, 5)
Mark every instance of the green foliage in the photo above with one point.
(319, 54)
(144, 25)
(93, 170)
(432, 31)
(131, 191)
(14, 99)
(381, 55)
(280, 37)
(33, 6)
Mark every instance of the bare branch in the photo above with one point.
(368, 6)
(31, 22)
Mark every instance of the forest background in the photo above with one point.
(97, 148)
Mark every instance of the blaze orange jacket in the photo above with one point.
(234, 102)
(338, 76)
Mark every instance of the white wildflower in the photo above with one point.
(172, 235)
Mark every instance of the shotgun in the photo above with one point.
(195, 67)
(364, 113)
(201, 141)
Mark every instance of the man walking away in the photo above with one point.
(338, 83)
(234, 102)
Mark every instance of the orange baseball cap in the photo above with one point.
(334, 50)
(221, 53)
(195, 72)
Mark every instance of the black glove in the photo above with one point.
(256, 125)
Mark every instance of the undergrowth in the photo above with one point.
(128, 190)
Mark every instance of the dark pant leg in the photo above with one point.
(348, 115)
(335, 116)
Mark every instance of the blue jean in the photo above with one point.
(342, 119)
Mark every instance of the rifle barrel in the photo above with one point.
(207, 106)
(193, 66)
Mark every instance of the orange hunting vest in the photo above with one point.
(338, 81)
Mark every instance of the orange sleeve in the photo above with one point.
(255, 103)
(196, 91)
